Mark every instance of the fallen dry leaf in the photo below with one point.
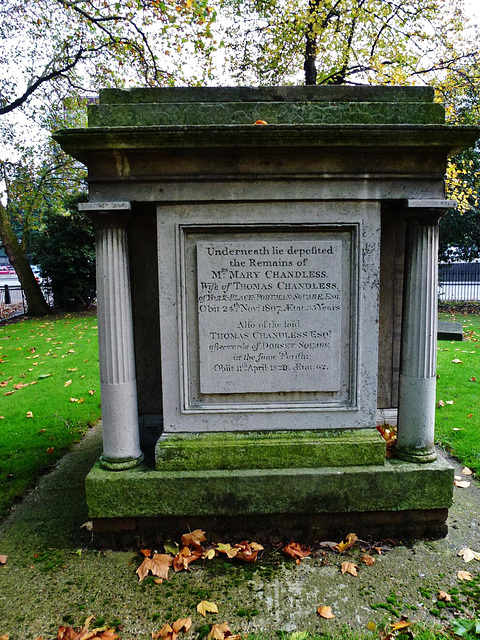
(296, 551)
(468, 554)
(245, 552)
(347, 543)
(205, 607)
(328, 544)
(462, 484)
(165, 632)
(184, 558)
(3, 559)
(367, 559)
(464, 575)
(50, 449)
(29, 414)
(4, 637)
(193, 539)
(401, 624)
(349, 567)
(182, 624)
(457, 361)
(256, 547)
(223, 547)
(325, 612)
(67, 383)
(443, 595)
(159, 565)
(219, 632)
(209, 555)
(466, 471)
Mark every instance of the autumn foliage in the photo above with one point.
(192, 549)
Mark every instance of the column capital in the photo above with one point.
(425, 211)
(107, 214)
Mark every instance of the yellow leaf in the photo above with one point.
(349, 567)
(256, 547)
(209, 555)
(464, 575)
(205, 607)
(401, 624)
(371, 626)
(325, 612)
(347, 544)
(223, 548)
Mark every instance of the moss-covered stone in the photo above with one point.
(269, 450)
(267, 94)
(395, 486)
(238, 113)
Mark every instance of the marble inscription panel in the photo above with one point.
(269, 316)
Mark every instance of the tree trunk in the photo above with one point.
(37, 305)
(310, 63)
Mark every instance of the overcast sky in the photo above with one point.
(472, 8)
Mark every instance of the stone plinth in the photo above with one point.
(270, 268)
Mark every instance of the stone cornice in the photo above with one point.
(446, 138)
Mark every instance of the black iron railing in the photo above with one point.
(459, 281)
(13, 301)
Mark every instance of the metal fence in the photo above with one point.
(459, 281)
(13, 301)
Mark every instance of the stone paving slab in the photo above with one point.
(54, 575)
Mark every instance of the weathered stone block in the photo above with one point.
(269, 450)
(395, 486)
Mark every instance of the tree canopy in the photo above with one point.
(346, 41)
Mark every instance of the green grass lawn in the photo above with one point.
(458, 387)
(49, 395)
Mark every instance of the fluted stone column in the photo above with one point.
(121, 439)
(416, 407)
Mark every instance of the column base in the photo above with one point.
(120, 464)
(428, 456)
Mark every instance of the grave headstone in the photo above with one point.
(266, 294)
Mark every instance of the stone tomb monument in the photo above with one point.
(266, 293)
